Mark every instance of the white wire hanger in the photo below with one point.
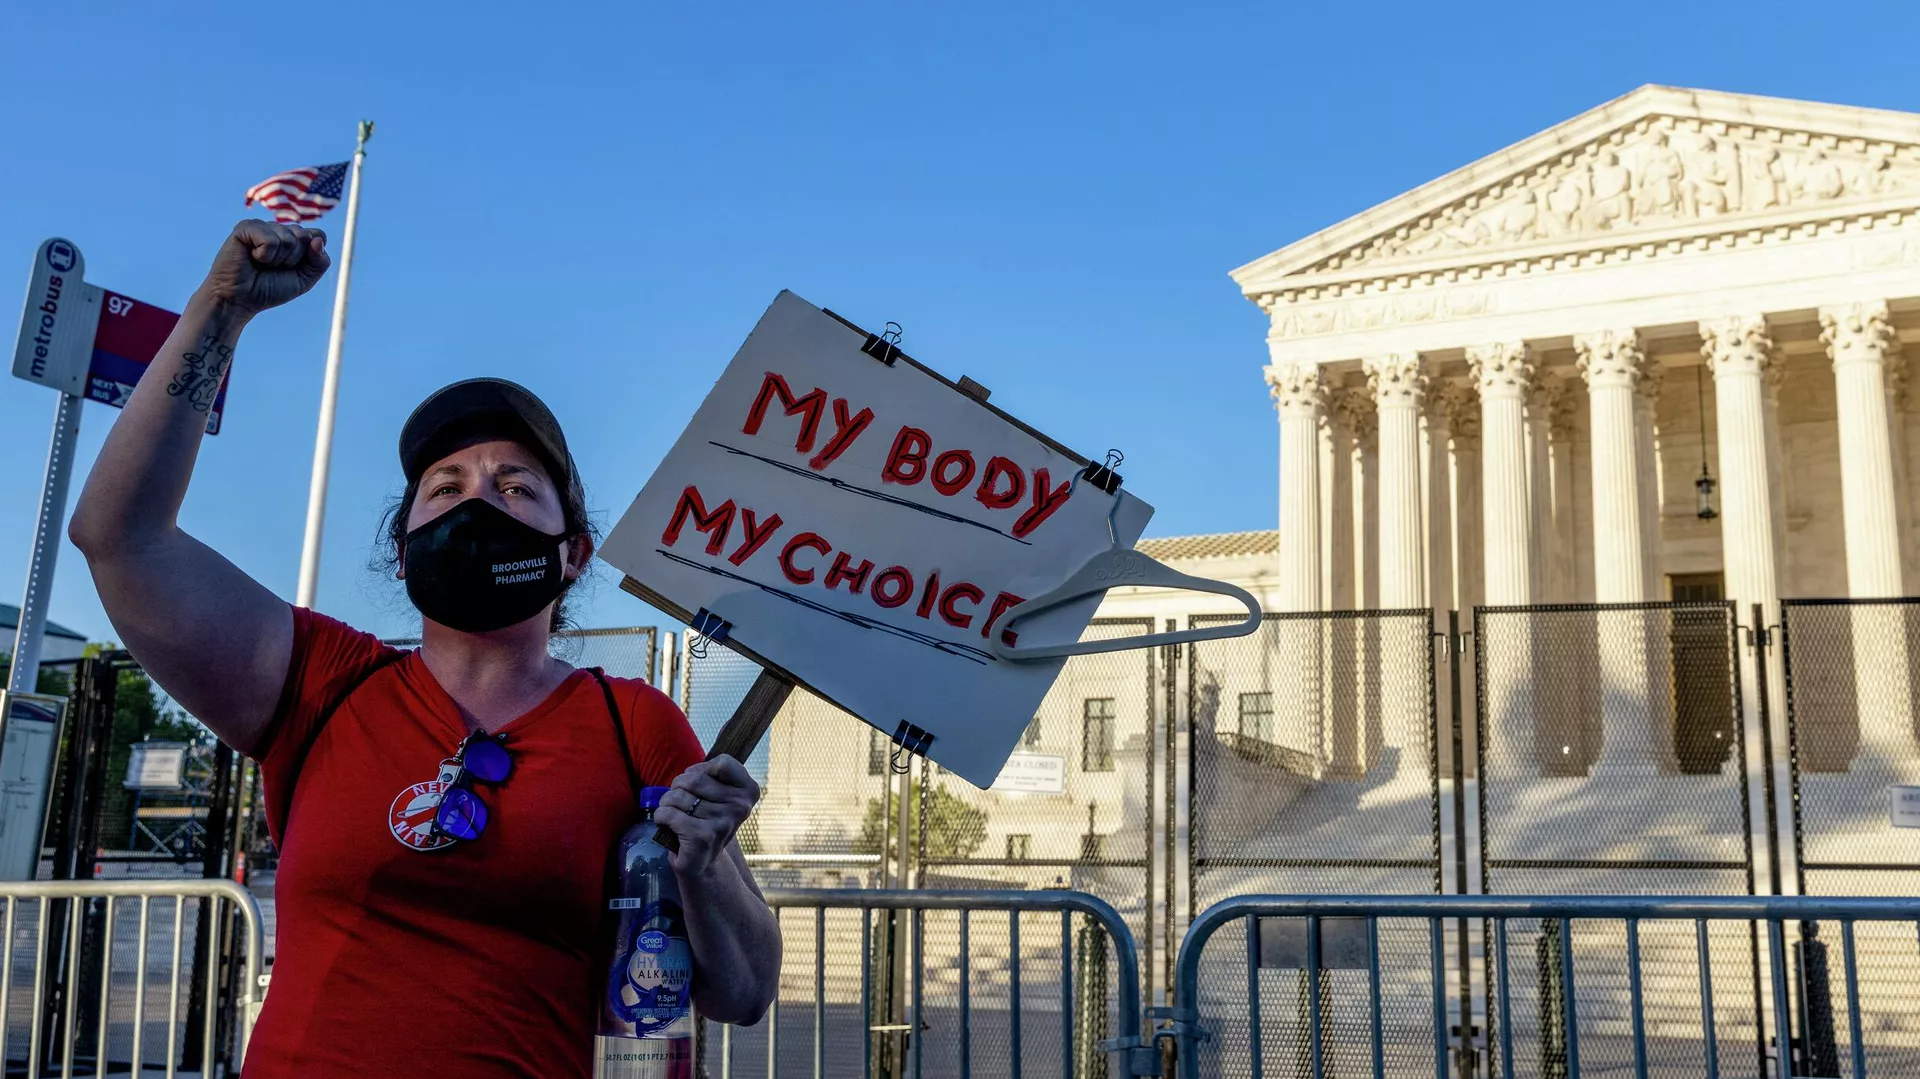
(1118, 567)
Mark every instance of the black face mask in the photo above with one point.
(477, 568)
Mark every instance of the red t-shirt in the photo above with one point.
(477, 959)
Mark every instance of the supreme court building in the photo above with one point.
(1654, 352)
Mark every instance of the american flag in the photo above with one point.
(301, 194)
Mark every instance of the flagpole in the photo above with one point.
(330, 389)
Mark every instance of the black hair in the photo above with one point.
(573, 508)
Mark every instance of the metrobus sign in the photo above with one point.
(85, 340)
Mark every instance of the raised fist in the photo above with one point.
(264, 264)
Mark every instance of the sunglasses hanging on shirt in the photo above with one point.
(483, 757)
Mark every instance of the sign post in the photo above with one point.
(27, 637)
(85, 343)
(55, 327)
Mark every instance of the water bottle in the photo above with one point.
(646, 1015)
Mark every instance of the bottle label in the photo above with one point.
(649, 991)
(629, 1058)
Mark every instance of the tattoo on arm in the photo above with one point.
(202, 372)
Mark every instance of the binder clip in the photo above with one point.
(1103, 476)
(912, 742)
(708, 628)
(885, 345)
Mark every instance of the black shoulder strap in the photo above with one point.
(619, 732)
(385, 660)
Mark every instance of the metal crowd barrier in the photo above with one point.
(1127, 1049)
(84, 940)
(1189, 1027)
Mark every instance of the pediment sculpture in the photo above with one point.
(1660, 172)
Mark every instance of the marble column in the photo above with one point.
(1469, 564)
(1504, 374)
(1740, 353)
(1366, 499)
(1897, 442)
(1399, 385)
(1564, 580)
(1540, 404)
(1463, 475)
(1436, 448)
(1338, 737)
(1365, 633)
(1613, 364)
(1299, 395)
(1860, 339)
(1652, 490)
(1650, 485)
(1397, 647)
(1336, 490)
(1439, 501)
(1579, 743)
(1739, 350)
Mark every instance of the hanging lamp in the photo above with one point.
(1703, 486)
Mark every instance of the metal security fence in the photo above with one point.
(1672, 1023)
(1313, 759)
(828, 796)
(98, 977)
(1851, 677)
(1612, 759)
(1612, 753)
(623, 651)
(1013, 983)
(842, 808)
(1073, 807)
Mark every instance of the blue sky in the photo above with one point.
(598, 202)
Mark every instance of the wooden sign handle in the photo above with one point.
(751, 718)
(749, 722)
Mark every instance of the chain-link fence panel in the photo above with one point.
(1612, 754)
(1313, 765)
(626, 652)
(826, 791)
(1853, 669)
(622, 651)
(1612, 760)
(1313, 756)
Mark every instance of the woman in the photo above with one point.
(412, 941)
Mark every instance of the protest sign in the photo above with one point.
(860, 523)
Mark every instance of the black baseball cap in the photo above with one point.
(479, 408)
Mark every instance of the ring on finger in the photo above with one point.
(695, 807)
